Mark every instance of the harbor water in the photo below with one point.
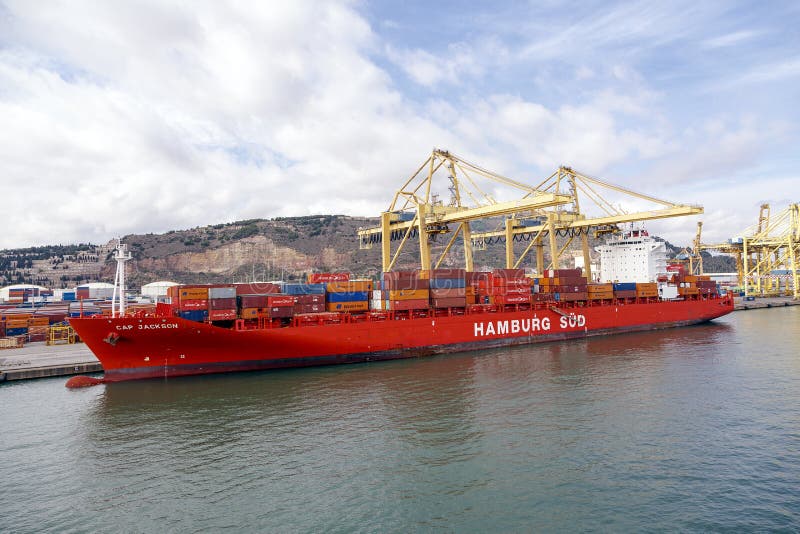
(688, 429)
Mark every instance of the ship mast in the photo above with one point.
(121, 255)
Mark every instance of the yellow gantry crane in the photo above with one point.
(767, 252)
(548, 210)
(692, 256)
(771, 252)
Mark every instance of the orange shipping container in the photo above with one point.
(688, 291)
(349, 287)
(249, 313)
(193, 293)
(354, 306)
(409, 294)
(599, 288)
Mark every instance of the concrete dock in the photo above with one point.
(39, 360)
(764, 302)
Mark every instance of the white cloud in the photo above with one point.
(121, 118)
(730, 39)
(429, 70)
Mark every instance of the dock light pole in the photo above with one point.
(121, 255)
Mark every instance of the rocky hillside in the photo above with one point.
(257, 249)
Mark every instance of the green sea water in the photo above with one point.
(688, 429)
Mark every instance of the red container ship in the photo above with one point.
(167, 344)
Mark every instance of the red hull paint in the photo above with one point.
(163, 347)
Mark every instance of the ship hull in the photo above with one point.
(148, 347)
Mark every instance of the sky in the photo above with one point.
(137, 117)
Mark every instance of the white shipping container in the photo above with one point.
(222, 293)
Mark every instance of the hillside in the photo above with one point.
(284, 248)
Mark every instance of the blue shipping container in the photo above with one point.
(447, 283)
(198, 316)
(625, 286)
(348, 296)
(303, 289)
(11, 332)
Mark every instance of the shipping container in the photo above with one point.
(571, 297)
(349, 287)
(351, 296)
(448, 293)
(625, 293)
(309, 299)
(507, 299)
(198, 316)
(409, 294)
(303, 289)
(399, 276)
(308, 308)
(249, 313)
(625, 286)
(257, 288)
(228, 292)
(253, 301)
(558, 273)
(599, 288)
(447, 283)
(20, 331)
(448, 273)
(411, 304)
(324, 278)
(193, 293)
(194, 304)
(222, 315)
(356, 306)
(223, 303)
(278, 312)
(451, 302)
(405, 284)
